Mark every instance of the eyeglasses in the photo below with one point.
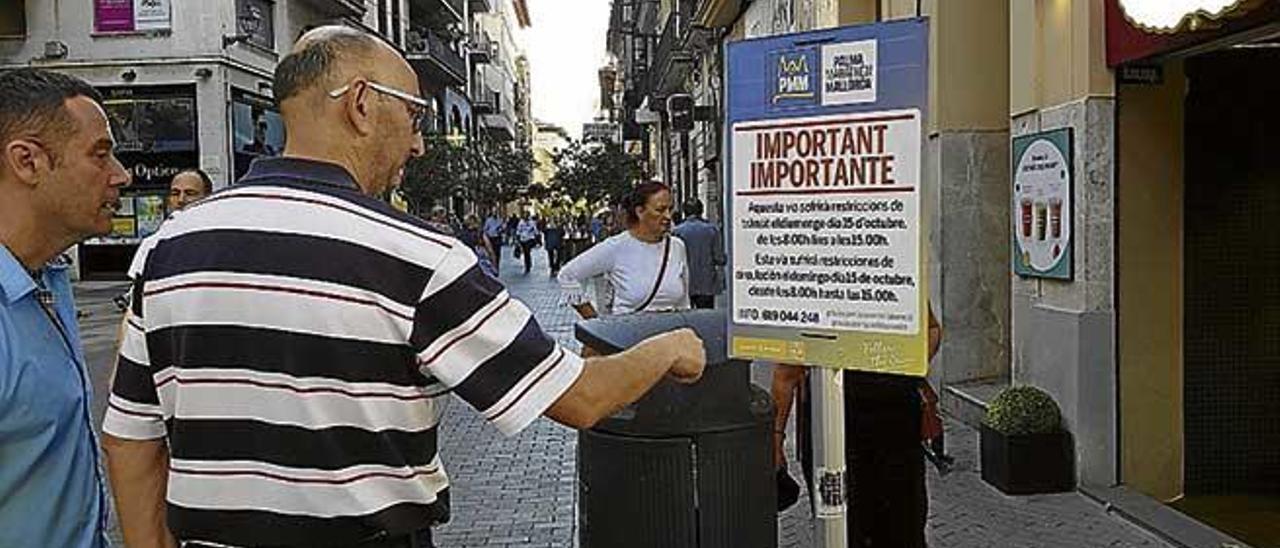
(418, 106)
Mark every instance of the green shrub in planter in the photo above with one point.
(1025, 450)
(1023, 410)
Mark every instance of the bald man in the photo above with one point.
(279, 380)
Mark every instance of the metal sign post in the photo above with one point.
(824, 140)
(831, 496)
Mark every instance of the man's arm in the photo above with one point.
(786, 379)
(139, 472)
(609, 382)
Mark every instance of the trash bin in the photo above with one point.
(686, 465)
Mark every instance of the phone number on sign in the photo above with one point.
(774, 315)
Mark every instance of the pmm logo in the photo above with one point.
(795, 80)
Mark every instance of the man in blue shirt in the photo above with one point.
(706, 255)
(59, 184)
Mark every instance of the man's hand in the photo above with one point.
(609, 382)
(687, 354)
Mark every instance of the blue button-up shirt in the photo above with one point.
(51, 489)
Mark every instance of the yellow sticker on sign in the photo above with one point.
(769, 349)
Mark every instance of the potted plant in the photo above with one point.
(1025, 450)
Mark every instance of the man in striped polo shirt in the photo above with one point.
(280, 373)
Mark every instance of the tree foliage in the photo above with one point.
(481, 171)
(598, 173)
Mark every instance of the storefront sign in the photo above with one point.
(825, 224)
(124, 16)
(1144, 75)
(1042, 205)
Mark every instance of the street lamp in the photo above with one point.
(248, 23)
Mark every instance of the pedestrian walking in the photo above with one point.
(280, 382)
(474, 236)
(59, 184)
(553, 240)
(439, 220)
(493, 229)
(645, 267)
(527, 236)
(706, 255)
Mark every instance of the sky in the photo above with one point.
(566, 46)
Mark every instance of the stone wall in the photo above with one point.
(1064, 331)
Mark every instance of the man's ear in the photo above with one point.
(25, 159)
(359, 108)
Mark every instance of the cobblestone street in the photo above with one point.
(521, 491)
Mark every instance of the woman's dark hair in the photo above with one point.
(204, 178)
(638, 197)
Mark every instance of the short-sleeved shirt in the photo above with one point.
(631, 267)
(293, 341)
(51, 485)
(493, 227)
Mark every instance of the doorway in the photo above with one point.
(1232, 292)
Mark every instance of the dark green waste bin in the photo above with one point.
(686, 465)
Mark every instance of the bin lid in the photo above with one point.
(613, 334)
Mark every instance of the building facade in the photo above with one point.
(188, 84)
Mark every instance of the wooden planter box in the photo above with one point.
(1028, 464)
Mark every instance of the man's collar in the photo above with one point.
(15, 281)
(313, 171)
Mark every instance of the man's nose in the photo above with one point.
(419, 146)
(119, 176)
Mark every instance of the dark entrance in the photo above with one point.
(1232, 292)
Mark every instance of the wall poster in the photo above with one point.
(1042, 216)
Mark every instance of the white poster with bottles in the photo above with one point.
(1042, 188)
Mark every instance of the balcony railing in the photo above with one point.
(481, 48)
(671, 58)
(440, 59)
(339, 8)
(484, 99)
(418, 9)
(500, 125)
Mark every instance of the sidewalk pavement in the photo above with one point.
(522, 491)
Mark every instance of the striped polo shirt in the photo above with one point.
(292, 338)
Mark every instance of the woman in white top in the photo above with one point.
(633, 260)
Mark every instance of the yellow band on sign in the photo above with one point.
(769, 349)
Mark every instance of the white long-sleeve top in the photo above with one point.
(631, 267)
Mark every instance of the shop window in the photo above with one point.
(257, 129)
(13, 19)
(155, 132)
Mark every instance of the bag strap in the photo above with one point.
(662, 271)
